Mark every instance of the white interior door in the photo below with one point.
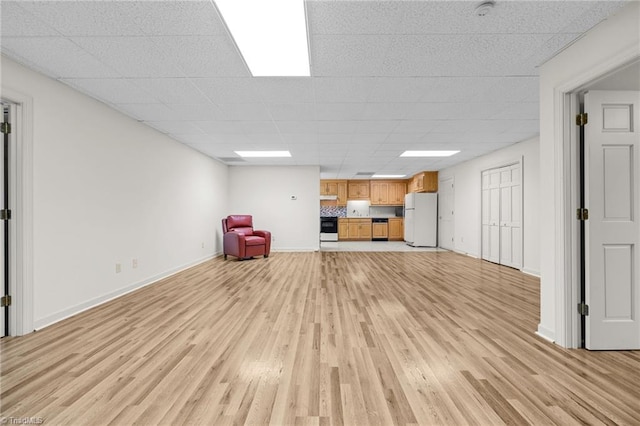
(445, 213)
(491, 216)
(612, 142)
(510, 216)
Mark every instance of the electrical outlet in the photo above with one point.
(134, 263)
(118, 268)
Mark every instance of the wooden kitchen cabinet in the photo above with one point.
(396, 229)
(387, 193)
(343, 228)
(358, 190)
(342, 192)
(424, 182)
(379, 193)
(379, 230)
(356, 229)
(335, 187)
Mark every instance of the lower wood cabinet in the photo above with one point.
(396, 229)
(353, 229)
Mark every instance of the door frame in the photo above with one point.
(567, 277)
(21, 316)
(520, 161)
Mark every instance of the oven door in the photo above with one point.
(329, 225)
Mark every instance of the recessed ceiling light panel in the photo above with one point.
(263, 154)
(388, 176)
(271, 35)
(428, 153)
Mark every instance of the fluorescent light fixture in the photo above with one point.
(428, 153)
(271, 35)
(388, 176)
(263, 154)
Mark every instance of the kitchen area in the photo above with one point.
(376, 210)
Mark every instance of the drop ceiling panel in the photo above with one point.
(172, 90)
(387, 76)
(203, 56)
(228, 90)
(56, 57)
(17, 22)
(292, 112)
(111, 90)
(131, 56)
(285, 89)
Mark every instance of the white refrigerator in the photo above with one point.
(421, 219)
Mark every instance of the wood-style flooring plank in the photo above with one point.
(429, 338)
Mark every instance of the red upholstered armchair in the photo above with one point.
(241, 240)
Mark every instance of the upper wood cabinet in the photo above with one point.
(335, 187)
(387, 193)
(424, 182)
(358, 190)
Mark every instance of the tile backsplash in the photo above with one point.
(339, 211)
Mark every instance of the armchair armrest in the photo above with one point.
(234, 244)
(267, 239)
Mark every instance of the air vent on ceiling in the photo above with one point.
(369, 174)
(232, 160)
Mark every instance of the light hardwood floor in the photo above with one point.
(318, 338)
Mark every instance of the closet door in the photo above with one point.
(510, 216)
(491, 215)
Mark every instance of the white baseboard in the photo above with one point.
(531, 272)
(546, 334)
(294, 249)
(74, 310)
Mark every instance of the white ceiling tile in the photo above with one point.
(389, 111)
(86, 18)
(285, 89)
(353, 17)
(347, 56)
(203, 56)
(339, 111)
(251, 112)
(147, 112)
(171, 90)
(199, 112)
(292, 112)
(518, 111)
(229, 90)
(342, 89)
(111, 90)
(130, 56)
(387, 75)
(177, 17)
(17, 22)
(175, 127)
(260, 127)
(221, 127)
(56, 57)
(381, 126)
(415, 126)
(297, 126)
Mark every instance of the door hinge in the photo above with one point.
(582, 119)
(583, 309)
(5, 214)
(5, 127)
(582, 214)
(5, 301)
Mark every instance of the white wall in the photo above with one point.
(265, 193)
(106, 190)
(608, 45)
(468, 198)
